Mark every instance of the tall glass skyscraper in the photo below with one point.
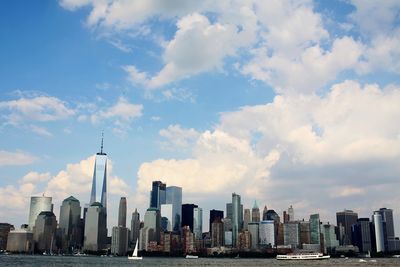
(315, 229)
(38, 204)
(99, 186)
(346, 219)
(157, 195)
(236, 218)
(70, 224)
(197, 222)
(174, 197)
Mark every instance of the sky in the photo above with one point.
(283, 102)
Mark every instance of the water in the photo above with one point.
(25, 260)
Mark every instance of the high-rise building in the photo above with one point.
(244, 240)
(254, 232)
(255, 213)
(174, 197)
(236, 207)
(264, 215)
(315, 231)
(198, 223)
(267, 233)
(271, 215)
(329, 237)
(38, 204)
(279, 234)
(151, 228)
(379, 232)
(215, 215)
(158, 195)
(99, 186)
(187, 215)
(285, 216)
(122, 212)
(229, 210)
(346, 219)
(70, 224)
(228, 232)
(387, 217)
(20, 241)
(291, 233)
(5, 228)
(166, 217)
(304, 232)
(135, 227)
(291, 213)
(361, 235)
(246, 219)
(120, 234)
(44, 232)
(217, 233)
(187, 240)
(95, 228)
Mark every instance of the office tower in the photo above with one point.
(187, 215)
(214, 215)
(158, 195)
(235, 218)
(166, 217)
(285, 217)
(229, 210)
(267, 233)
(279, 234)
(346, 219)
(217, 233)
(387, 217)
(187, 240)
(379, 235)
(99, 187)
(198, 223)
(244, 240)
(122, 212)
(120, 234)
(291, 213)
(135, 227)
(254, 232)
(291, 233)
(44, 232)
(361, 235)
(227, 231)
(20, 241)
(174, 197)
(255, 213)
(70, 224)
(264, 216)
(304, 232)
(95, 228)
(151, 228)
(271, 215)
(38, 204)
(5, 228)
(329, 237)
(315, 231)
(246, 218)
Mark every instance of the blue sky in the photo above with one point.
(283, 102)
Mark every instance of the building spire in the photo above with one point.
(101, 147)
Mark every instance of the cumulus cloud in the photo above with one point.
(35, 177)
(8, 158)
(178, 137)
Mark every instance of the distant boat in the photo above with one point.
(303, 256)
(135, 253)
(192, 257)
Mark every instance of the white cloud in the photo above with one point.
(35, 177)
(40, 130)
(8, 158)
(178, 137)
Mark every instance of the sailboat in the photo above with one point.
(135, 253)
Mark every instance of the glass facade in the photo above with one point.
(157, 195)
(198, 222)
(38, 204)
(315, 229)
(174, 197)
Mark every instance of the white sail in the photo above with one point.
(135, 252)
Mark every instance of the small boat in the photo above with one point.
(303, 256)
(192, 257)
(135, 253)
(361, 260)
(396, 256)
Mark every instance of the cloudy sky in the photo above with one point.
(283, 102)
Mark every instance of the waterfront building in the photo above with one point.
(315, 231)
(95, 228)
(44, 232)
(20, 241)
(291, 233)
(236, 209)
(135, 227)
(120, 234)
(254, 232)
(246, 218)
(228, 238)
(5, 228)
(379, 232)
(361, 235)
(151, 228)
(187, 240)
(174, 197)
(330, 241)
(38, 204)
(244, 240)
(255, 213)
(188, 215)
(70, 224)
(158, 194)
(346, 219)
(214, 215)
(387, 218)
(279, 234)
(198, 223)
(267, 233)
(217, 233)
(304, 232)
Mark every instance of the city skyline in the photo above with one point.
(286, 103)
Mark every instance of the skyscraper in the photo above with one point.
(247, 218)
(166, 217)
(151, 228)
(387, 217)
(361, 235)
(70, 224)
(291, 232)
(158, 195)
(215, 215)
(187, 215)
(95, 228)
(267, 233)
(99, 187)
(379, 235)
(174, 197)
(315, 230)
(122, 212)
(236, 207)
(44, 231)
(120, 234)
(135, 227)
(291, 213)
(38, 204)
(254, 232)
(264, 215)
(217, 232)
(197, 223)
(255, 213)
(346, 219)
